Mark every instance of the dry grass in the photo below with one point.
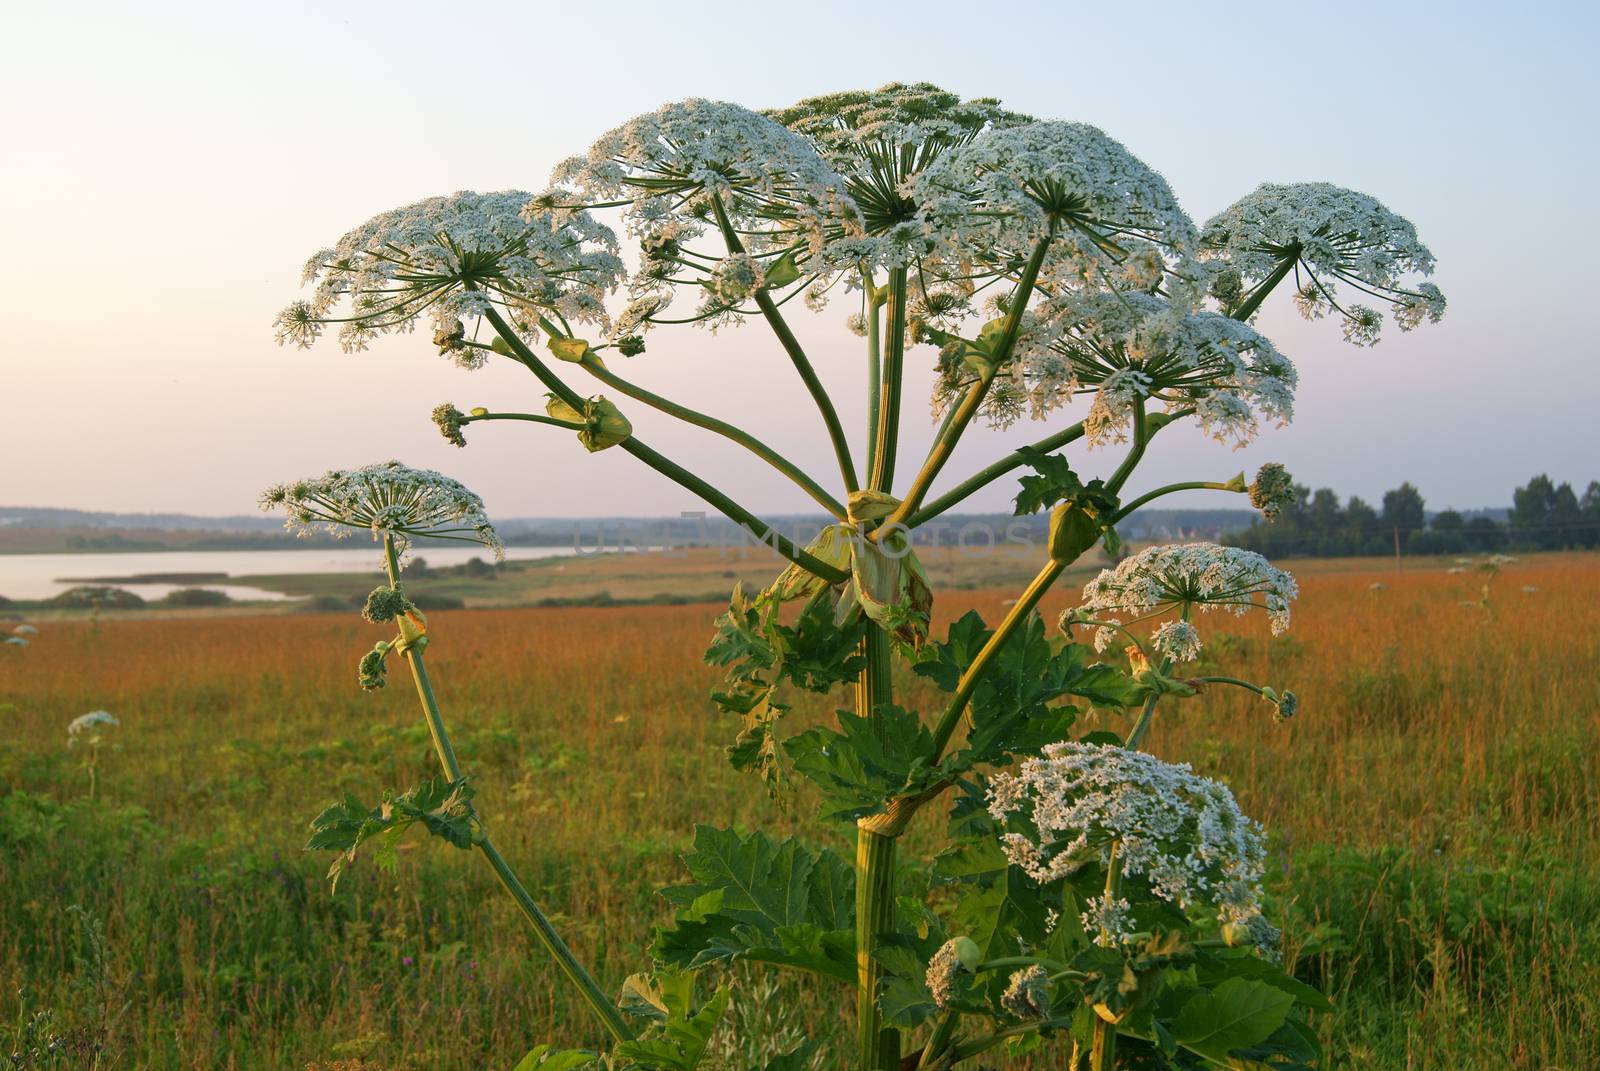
(1434, 808)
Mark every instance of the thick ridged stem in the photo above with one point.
(608, 1014)
(878, 1046)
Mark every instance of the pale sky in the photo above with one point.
(168, 168)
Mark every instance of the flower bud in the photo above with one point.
(1272, 491)
(569, 349)
(1073, 529)
(630, 345)
(385, 604)
(449, 420)
(603, 423)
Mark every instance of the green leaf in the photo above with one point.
(544, 1058)
(794, 1060)
(568, 349)
(764, 900)
(1239, 1013)
(679, 1040)
(818, 652)
(872, 761)
(443, 808)
(1053, 480)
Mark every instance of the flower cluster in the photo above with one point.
(1187, 577)
(1180, 835)
(995, 197)
(90, 723)
(1127, 346)
(1328, 237)
(386, 499)
(1273, 490)
(1027, 994)
(454, 258)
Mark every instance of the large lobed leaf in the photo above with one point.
(764, 900)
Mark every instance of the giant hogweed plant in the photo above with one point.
(1091, 896)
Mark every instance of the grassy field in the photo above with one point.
(1435, 810)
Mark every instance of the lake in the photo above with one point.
(40, 576)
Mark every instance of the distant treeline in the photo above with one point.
(1543, 516)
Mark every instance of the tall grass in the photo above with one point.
(1434, 808)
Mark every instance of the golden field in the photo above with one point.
(1435, 809)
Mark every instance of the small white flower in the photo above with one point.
(93, 720)
(389, 498)
(1180, 834)
(1329, 237)
(1190, 577)
(1178, 640)
(25, 630)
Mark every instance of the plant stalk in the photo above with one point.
(608, 1014)
(877, 1045)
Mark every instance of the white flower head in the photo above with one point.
(1232, 376)
(1027, 994)
(453, 259)
(1000, 193)
(385, 499)
(1178, 640)
(1179, 834)
(681, 162)
(25, 630)
(91, 722)
(1190, 577)
(1330, 239)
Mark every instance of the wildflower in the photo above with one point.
(630, 345)
(25, 630)
(1529, 589)
(1027, 994)
(1127, 346)
(385, 604)
(386, 499)
(1377, 585)
(449, 420)
(455, 258)
(1010, 186)
(16, 641)
(373, 671)
(1329, 237)
(1272, 491)
(1179, 834)
(676, 165)
(90, 723)
(955, 957)
(1178, 640)
(734, 279)
(1189, 577)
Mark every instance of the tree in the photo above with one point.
(1403, 510)
(1589, 515)
(1483, 534)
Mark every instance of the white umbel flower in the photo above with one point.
(1329, 238)
(91, 722)
(451, 258)
(385, 499)
(1003, 191)
(1190, 577)
(1179, 834)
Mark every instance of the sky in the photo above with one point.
(168, 168)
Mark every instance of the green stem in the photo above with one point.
(595, 367)
(1253, 301)
(610, 1017)
(1141, 439)
(797, 355)
(893, 367)
(986, 476)
(979, 1045)
(570, 425)
(877, 1045)
(969, 681)
(1103, 1040)
(874, 369)
(939, 1040)
(1147, 712)
(668, 468)
(945, 444)
(1192, 485)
